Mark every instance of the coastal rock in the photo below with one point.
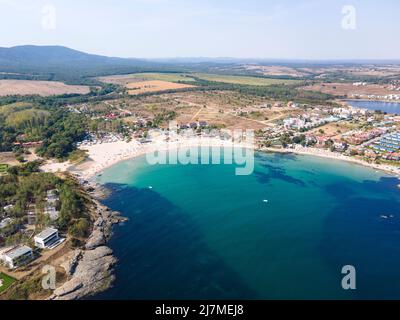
(95, 240)
(90, 270)
(70, 265)
(68, 288)
(99, 222)
(92, 275)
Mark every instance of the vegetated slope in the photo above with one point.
(62, 63)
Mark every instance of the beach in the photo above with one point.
(337, 156)
(104, 155)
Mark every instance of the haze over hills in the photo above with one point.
(62, 63)
(31, 56)
(41, 56)
(75, 67)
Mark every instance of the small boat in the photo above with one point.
(150, 187)
(266, 201)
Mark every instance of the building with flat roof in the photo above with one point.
(46, 238)
(17, 256)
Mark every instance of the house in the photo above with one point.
(8, 208)
(340, 146)
(321, 141)
(31, 218)
(46, 238)
(203, 124)
(52, 212)
(8, 227)
(52, 196)
(17, 256)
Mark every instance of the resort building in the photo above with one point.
(8, 227)
(31, 218)
(52, 196)
(50, 208)
(388, 143)
(47, 238)
(52, 212)
(17, 256)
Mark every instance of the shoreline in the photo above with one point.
(322, 153)
(104, 156)
(370, 100)
(90, 269)
(96, 260)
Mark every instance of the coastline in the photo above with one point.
(106, 155)
(90, 270)
(322, 153)
(371, 100)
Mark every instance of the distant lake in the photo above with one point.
(389, 107)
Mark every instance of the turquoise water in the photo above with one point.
(200, 232)
(389, 107)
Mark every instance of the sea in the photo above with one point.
(290, 230)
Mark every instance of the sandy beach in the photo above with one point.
(337, 156)
(104, 155)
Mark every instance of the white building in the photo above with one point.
(8, 208)
(17, 256)
(52, 196)
(47, 238)
(52, 212)
(6, 222)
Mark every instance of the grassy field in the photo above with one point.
(137, 77)
(170, 77)
(3, 167)
(179, 77)
(244, 80)
(136, 88)
(5, 282)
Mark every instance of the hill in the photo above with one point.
(62, 63)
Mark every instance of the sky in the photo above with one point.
(270, 29)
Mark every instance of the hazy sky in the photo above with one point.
(284, 29)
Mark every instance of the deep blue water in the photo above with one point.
(200, 232)
(389, 107)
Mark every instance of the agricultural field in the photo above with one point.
(41, 88)
(243, 80)
(5, 282)
(276, 71)
(136, 88)
(123, 80)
